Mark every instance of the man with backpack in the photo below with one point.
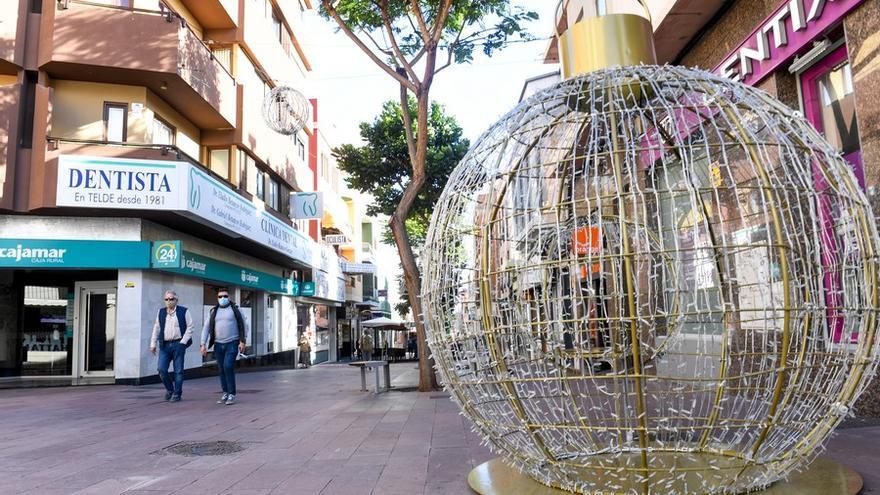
(172, 335)
(367, 346)
(225, 330)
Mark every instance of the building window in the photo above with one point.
(284, 200)
(115, 122)
(218, 162)
(277, 26)
(260, 186)
(163, 132)
(302, 149)
(223, 54)
(249, 165)
(272, 193)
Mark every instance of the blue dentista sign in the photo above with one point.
(48, 253)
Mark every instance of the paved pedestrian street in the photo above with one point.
(301, 432)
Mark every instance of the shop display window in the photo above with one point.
(829, 102)
(47, 331)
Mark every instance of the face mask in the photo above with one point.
(224, 301)
(170, 304)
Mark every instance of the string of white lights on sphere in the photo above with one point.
(653, 279)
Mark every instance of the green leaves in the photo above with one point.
(485, 25)
(382, 166)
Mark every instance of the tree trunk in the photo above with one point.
(412, 279)
(411, 274)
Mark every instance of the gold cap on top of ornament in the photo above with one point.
(598, 34)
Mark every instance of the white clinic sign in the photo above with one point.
(120, 183)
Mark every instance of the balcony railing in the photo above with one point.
(152, 48)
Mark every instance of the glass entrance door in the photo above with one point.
(96, 328)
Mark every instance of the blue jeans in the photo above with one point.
(172, 352)
(225, 355)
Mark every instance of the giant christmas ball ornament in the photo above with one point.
(286, 110)
(653, 280)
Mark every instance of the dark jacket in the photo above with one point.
(212, 322)
(180, 311)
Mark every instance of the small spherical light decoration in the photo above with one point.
(653, 280)
(285, 110)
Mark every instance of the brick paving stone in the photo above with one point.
(303, 431)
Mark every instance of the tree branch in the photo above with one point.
(386, 51)
(401, 59)
(407, 125)
(440, 20)
(328, 6)
(423, 28)
(451, 50)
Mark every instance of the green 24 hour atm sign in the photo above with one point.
(166, 254)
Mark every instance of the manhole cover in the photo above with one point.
(192, 449)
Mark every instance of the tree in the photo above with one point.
(381, 167)
(404, 38)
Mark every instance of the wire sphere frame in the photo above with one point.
(286, 110)
(653, 280)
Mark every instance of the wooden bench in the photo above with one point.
(375, 366)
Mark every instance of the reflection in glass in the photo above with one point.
(838, 109)
(47, 336)
(100, 331)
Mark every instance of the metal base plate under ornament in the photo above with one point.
(823, 477)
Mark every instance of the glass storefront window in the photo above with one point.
(209, 299)
(273, 323)
(246, 305)
(838, 108)
(322, 326)
(47, 331)
(829, 103)
(303, 320)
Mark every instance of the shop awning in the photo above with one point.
(357, 268)
(383, 323)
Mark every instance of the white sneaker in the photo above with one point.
(230, 400)
(223, 399)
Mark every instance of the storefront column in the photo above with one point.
(133, 330)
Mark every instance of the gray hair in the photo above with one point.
(172, 293)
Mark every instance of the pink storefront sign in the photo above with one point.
(790, 29)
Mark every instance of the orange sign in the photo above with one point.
(588, 241)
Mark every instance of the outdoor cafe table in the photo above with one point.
(374, 365)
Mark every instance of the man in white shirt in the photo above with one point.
(172, 334)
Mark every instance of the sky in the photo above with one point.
(351, 89)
